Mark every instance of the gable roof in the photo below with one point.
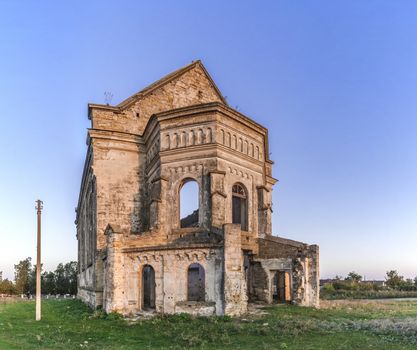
(150, 88)
(168, 78)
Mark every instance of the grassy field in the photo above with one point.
(365, 294)
(68, 324)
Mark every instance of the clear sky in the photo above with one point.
(334, 81)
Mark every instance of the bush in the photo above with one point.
(328, 287)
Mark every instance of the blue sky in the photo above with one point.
(334, 81)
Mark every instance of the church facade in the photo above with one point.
(137, 254)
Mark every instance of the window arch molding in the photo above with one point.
(186, 180)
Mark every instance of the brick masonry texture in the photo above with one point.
(133, 253)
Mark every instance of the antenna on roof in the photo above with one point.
(108, 96)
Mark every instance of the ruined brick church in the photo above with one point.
(137, 254)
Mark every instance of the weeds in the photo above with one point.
(342, 325)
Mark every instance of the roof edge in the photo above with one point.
(202, 107)
(155, 85)
(168, 78)
(107, 107)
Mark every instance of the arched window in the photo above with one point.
(148, 287)
(196, 283)
(240, 206)
(189, 204)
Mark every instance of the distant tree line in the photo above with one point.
(61, 281)
(353, 286)
(354, 281)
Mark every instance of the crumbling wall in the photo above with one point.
(263, 276)
(171, 272)
(118, 166)
(264, 211)
(313, 263)
(235, 295)
(86, 234)
(259, 283)
(114, 280)
(302, 260)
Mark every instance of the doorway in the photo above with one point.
(196, 283)
(148, 287)
(281, 291)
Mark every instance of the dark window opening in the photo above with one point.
(196, 283)
(148, 287)
(189, 204)
(240, 207)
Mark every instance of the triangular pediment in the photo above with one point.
(189, 85)
(186, 87)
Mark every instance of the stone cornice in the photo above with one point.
(115, 135)
(93, 106)
(284, 241)
(215, 147)
(171, 246)
(211, 107)
(221, 172)
(271, 180)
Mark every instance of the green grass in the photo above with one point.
(68, 324)
(365, 294)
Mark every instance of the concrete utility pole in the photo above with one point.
(39, 207)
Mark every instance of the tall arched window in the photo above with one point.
(196, 283)
(240, 206)
(189, 204)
